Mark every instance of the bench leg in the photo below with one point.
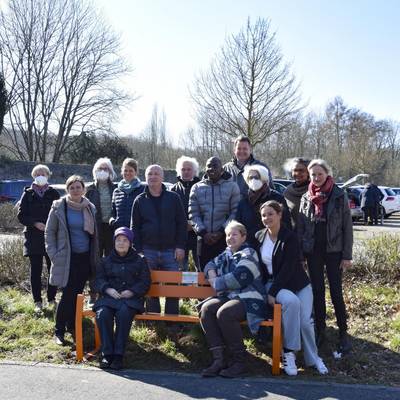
(78, 327)
(277, 340)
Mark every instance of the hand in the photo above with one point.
(304, 264)
(217, 236)
(39, 225)
(209, 238)
(271, 300)
(212, 282)
(189, 226)
(179, 255)
(126, 294)
(113, 293)
(345, 264)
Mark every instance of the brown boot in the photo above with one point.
(238, 367)
(217, 365)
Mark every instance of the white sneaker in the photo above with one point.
(320, 366)
(38, 307)
(289, 363)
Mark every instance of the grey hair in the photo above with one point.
(40, 167)
(321, 163)
(191, 160)
(101, 161)
(262, 171)
(154, 166)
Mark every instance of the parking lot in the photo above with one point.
(390, 225)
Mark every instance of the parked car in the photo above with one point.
(11, 190)
(390, 201)
(284, 182)
(396, 190)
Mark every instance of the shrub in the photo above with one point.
(8, 217)
(378, 259)
(14, 267)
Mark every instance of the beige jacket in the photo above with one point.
(58, 245)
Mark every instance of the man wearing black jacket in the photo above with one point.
(159, 225)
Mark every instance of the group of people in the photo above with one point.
(253, 244)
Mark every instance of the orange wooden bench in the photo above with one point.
(191, 285)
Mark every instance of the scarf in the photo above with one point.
(319, 195)
(254, 197)
(40, 190)
(129, 187)
(84, 206)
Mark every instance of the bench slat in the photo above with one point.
(194, 292)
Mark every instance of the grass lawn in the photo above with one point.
(374, 320)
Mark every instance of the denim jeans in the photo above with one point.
(162, 260)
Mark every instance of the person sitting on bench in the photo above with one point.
(236, 277)
(122, 279)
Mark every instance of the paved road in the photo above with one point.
(40, 382)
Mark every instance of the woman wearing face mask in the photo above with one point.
(34, 208)
(325, 230)
(72, 244)
(294, 192)
(124, 195)
(100, 194)
(248, 213)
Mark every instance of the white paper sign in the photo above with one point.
(190, 277)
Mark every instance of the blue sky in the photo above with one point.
(347, 48)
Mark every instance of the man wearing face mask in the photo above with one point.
(259, 191)
(34, 208)
(100, 194)
(212, 205)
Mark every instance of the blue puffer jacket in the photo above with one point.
(122, 206)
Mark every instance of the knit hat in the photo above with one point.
(124, 231)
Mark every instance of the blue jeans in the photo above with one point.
(162, 261)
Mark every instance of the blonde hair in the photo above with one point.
(236, 225)
(40, 167)
(131, 162)
(321, 163)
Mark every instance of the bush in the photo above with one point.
(14, 267)
(378, 259)
(8, 217)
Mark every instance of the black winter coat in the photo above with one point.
(123, 273)
(122, 206)
(249, 215)
(159, 232)
(182, 188)
(33, 208)
(287, 269)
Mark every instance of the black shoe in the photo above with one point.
(59, 340)
(345, 345)
(105, 362)
(117, 363)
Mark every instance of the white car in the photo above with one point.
(390, 201)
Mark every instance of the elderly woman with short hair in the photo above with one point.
(326, 235)
(187, 171)
(34, 208)
(72, 245)
(248, 213)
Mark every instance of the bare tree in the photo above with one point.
(4, 105)
(248, 88)
(63, 65)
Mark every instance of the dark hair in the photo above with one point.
(301, 160)
(242, 138)
(273, 204)
(72, 179)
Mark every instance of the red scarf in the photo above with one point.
(319, 195)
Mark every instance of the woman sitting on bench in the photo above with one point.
(122, 279)
(236, 278)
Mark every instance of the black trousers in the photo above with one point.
(79, 272)
(371, 214)
(208, 252)
(317, 262)
(106, 233)
(36, 278)
(114, 343)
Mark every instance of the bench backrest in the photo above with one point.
(179, 284)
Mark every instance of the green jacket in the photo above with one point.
(339, 224)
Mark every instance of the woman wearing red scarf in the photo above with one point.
(326, 233)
